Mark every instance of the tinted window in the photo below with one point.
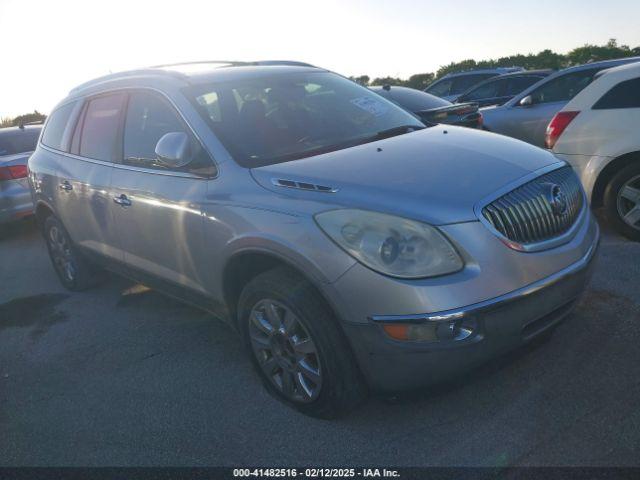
(56, 125)
(516, 85)
(624, 95)
(100, 128)
(280, 118)
(18, 140)
(563, 88)
(149, 118)
(488, 90)
(440, 89)
(465, 82)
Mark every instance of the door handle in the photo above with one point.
(66, 186)
(122, 200)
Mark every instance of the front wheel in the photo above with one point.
(622, 202)
(297, 347)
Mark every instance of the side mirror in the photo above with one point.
(174, 150)
(526, 101)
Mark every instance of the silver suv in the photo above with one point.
(352, 247)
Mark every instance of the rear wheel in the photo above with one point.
(296, 346)
(74, 271)
(622, 202)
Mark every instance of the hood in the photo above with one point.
(436, 175)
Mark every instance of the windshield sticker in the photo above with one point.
(371, 105)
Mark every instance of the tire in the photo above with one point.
(616, 203)
(73, 270)
(309, 348)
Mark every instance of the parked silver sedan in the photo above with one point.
(16, 145)
(351, 246)
(527, 115)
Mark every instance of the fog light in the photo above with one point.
(435, 331)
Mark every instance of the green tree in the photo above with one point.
(593, 53)
(387, 81)
(36, 116)
(362, 80)
(419, 81)
(456, 67)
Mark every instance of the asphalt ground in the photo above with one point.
(125, 376)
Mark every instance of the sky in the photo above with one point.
(49, 46)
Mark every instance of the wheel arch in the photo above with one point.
(42, 211)
(608, 172)
(246, 264)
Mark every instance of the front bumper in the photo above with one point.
(502, 323)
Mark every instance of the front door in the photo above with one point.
(158, 209)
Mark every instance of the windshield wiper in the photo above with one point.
(395, 131)
(390, 132)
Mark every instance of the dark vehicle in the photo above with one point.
(16, 145)
(454, 84)
(499, 90)
(431, 109)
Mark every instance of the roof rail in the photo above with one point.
(201, 62)
(235, 63)
(125, 74)
(164, 70)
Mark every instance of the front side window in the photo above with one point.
(563, 88)
(284, 117)
(56, 126)
(624, 95)
(149, 118)
(100, 128)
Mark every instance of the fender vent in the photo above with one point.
(281, 182)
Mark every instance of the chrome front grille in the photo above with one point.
(540, 210)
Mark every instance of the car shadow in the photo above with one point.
(25, 226)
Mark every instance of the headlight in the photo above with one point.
(391, 245)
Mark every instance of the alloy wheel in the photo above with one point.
(628, 202)
(61, 254)
(285, 351)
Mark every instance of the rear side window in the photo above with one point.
(488, 90)
(440, 89)
(56, 125)
(519, 84)
(100, 128)
(624, 95)
(465, 82)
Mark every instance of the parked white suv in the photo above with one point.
(598, 133)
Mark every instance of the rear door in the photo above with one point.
(84, 175)
(158, 210)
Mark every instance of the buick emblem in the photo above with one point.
(556, 198)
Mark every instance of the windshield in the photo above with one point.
(279, 118)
